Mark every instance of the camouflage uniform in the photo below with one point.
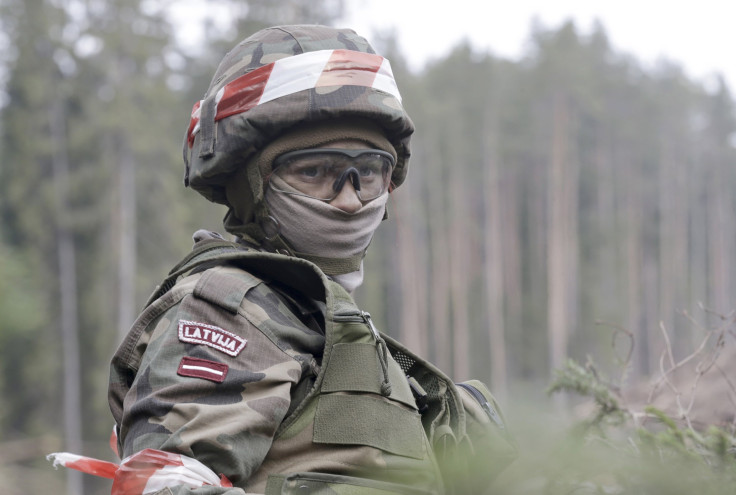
(257, 364)
(265, 416)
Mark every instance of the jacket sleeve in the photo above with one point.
(209, 381)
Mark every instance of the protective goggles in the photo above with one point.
(321, 173)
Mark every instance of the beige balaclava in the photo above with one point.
(333, 239)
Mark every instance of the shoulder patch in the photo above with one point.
(193, 332)
(202, 368)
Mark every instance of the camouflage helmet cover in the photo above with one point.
(235, 119)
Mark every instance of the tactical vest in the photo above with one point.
(378, 419)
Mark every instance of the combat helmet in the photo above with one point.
(279, 78)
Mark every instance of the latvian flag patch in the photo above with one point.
(202, 368)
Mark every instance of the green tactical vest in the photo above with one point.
(379, 419)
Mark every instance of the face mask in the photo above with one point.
(311, 226)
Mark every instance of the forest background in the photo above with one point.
(551, 201)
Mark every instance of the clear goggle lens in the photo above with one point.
(321, 173)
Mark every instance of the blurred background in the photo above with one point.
(570, 192)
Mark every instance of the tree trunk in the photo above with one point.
(69, 321)
(562, 235)
(440, 267)
(127, 247)
(673, 240)
(494, 260)
(511, 247)
(127, 197)
(633, 254)
(459, 279)
(412, 277)
(719, 233)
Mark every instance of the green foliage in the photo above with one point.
(586, 381)
(619, 453)
(714, 447)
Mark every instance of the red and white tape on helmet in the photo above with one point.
(286, 76)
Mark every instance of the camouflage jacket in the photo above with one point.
(265, 371)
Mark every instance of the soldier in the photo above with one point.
(251, 369)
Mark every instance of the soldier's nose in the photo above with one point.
(347, 200)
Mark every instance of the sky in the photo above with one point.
(699, 35)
